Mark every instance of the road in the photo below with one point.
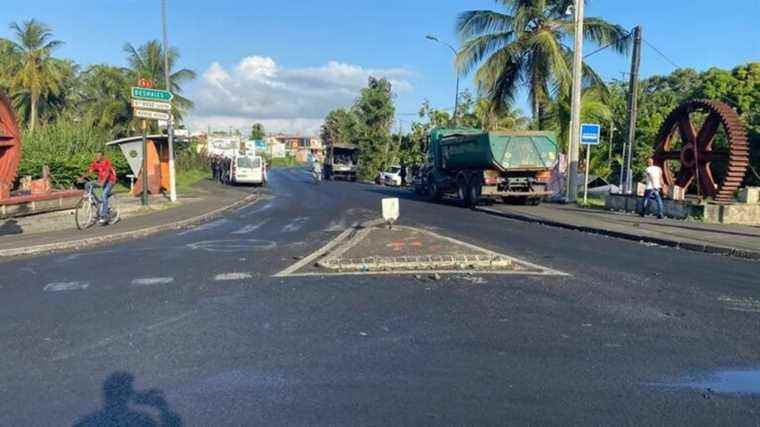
(197, 315)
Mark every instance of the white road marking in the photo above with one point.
(250, 228)
(149, 281)
(316, 254)
(233, 245)
(227, 277)
(66, 286)
(205, 227)
(108, 340)
(256, 211)
(295, 225)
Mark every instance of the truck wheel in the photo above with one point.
(474, 190)
(434, 193)
(464, 194)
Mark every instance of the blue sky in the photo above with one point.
(285, 63)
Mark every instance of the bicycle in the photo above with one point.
(87, 211)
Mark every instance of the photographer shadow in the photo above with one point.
(119, 394)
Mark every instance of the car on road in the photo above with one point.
(390, 176)
(248, 169)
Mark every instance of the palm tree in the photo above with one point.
(104, 98)
(527, 45)
(35, 73)
(147, 62)
(594, 109)
(492, 119)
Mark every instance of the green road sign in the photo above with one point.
(151, 94)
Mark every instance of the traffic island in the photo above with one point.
(375, 248)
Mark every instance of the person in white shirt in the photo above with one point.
(653, 188)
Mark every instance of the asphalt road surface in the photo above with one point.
(196, 316)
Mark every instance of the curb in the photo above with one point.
(125, 235)
(695, 247)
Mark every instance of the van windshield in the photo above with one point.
(249, 163)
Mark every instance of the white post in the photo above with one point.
(585, 183)
(575, 118)
(169, 123)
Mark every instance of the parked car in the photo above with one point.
(247, 169)
(390, 176)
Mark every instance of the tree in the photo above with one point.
(526, 45)
(147, 62)
(374, 111)
(34, 73)
(104, 99)
(257, 131)
(340, 127)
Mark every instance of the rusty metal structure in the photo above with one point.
(10, 147)
(698, 162)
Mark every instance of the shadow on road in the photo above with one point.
(10, 227)
(118, 396)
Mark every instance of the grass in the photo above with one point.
(283, 162)
(186, 179)
(594, 202)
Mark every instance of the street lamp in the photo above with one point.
(169, 124)
(575, 116)
(456, 97)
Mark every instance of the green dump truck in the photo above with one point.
(472, 164)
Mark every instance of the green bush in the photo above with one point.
(68, 149)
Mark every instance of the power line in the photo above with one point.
(608, 45)
(662, 54)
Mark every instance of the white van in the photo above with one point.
(247, 169)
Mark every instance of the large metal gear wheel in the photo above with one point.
(698, 163)
(10, 145)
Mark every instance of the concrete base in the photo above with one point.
(742, 214)
(678, 209)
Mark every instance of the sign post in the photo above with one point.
(144, 199)
(151, 104)
(590, 134)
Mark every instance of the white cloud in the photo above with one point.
(291, 100)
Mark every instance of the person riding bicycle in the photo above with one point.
(106, 180)
(316, 165)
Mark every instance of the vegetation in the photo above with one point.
(69, 113)
(257, 131)
(525, 47)
(367, 125)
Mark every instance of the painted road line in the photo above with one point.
(150, 281)
(318, 253)
(423, 272)
(205, 227)
(295, 225)
(230, 245)
(266, 207)
(66, 286)
(228, 277)
(250, 228)
(129, 334)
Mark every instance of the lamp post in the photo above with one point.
(169, 123)
(575, 117)
(456, 98)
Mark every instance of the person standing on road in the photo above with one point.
(653, 188)
(402, 174)
(106, 180)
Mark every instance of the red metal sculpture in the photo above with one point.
(696, 158)
(10, 147)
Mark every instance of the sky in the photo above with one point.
(286, 64)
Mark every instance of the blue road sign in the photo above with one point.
(590, 134)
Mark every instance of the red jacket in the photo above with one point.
(105, 171)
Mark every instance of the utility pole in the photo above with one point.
(575, 116)
(144, 198)
(633, 94)
(612, 133)
(169, 123)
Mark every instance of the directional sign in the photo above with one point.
(590, 134)
(151, 115)
(151, 105)
(151, 94)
